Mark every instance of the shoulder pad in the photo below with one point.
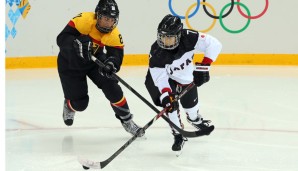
(84, 22)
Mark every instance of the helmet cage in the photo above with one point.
(105, 29)
(162, 38)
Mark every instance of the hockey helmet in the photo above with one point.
(169, 32)
(107, 8)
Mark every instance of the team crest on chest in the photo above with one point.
(180, 67)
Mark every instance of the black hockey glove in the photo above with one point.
(83, 47)
(109, 68)
(201, 74)
(167, 101)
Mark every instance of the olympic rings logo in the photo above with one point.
(221, 15)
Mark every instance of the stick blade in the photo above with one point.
(206, 131)
(89, 164)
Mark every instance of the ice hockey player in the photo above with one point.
(87, 34)
(171, 69)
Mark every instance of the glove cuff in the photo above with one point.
(202, 67)
(163, 95)
(207, 60)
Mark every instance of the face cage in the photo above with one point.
(104, 29)
(161, 44)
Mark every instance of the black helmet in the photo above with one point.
(108, 8)
(170, 26)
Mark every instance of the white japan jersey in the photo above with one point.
(177, 64)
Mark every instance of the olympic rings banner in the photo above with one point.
(198, 5)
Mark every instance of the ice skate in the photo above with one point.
(202, 125)
(131, 127)
(68, 114)
(178, 144)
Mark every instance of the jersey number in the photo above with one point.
(191, 31)
(121, 39)
(79, 15)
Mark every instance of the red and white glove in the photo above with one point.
(168, 101)
(201, 72)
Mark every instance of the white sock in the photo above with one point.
(175, 119)
(193, 113)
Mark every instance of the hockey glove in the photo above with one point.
(201, 74)
(168, 101)
(109, 68)
(83, 47)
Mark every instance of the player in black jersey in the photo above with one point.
(87, 34)
(171, 69)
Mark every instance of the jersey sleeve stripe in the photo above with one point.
(119, 47)
(71, 24)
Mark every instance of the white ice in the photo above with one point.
(254, 110)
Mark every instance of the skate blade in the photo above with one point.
(178, 153)
(142, 138)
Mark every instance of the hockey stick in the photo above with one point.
(87, 164)
(100, 165)
(181, 131)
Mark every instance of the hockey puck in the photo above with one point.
(85, 167)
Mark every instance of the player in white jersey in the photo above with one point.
(171, 69)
